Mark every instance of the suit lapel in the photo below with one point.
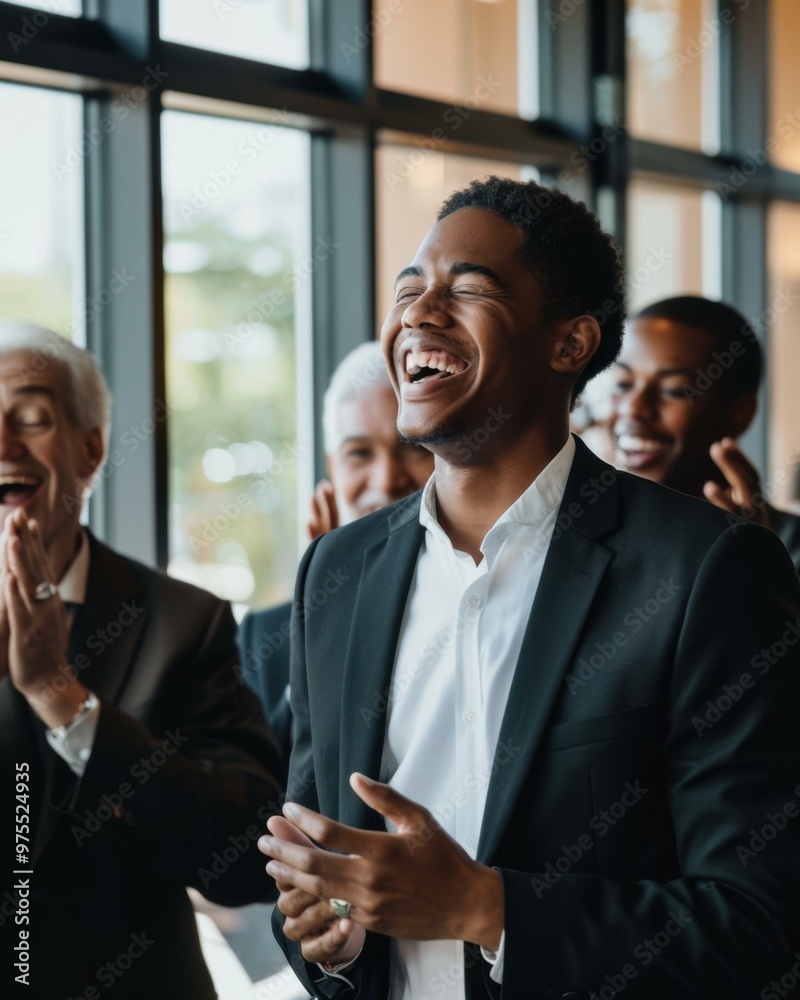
(572, 572)
(104, 636)
(107, 629)
(386, 575)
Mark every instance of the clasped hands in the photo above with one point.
(33, 632)
(415, 884)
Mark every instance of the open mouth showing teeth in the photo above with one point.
(17, 490)
(425, 366)
(640, 453)
(639, 445)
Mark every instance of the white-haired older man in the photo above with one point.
(138, 764)
(369, 467)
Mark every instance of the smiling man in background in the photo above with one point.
(496, 783)
(685, 387)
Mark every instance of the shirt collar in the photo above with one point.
(72, 585)
(544, 493)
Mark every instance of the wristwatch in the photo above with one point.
(89, 703)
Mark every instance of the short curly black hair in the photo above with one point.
(728, 327)
(577, 264)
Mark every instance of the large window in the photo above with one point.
(274, 31)
(303, 153)
(237, 264)
(71, 8)
(41, 232)
(673, 64)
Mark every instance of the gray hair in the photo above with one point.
(359, 371)
(87, 399)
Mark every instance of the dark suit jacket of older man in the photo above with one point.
(177, 789)
(643, 807)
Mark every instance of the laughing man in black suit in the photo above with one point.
(568, 694)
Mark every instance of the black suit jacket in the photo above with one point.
(649, 736)
(264, 644)
(176, 791)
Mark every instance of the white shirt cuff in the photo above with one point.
(496, 959)
(75, 747)
(337, 969)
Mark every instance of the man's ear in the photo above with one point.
(739, 413)
(574, 345)
(92, 453)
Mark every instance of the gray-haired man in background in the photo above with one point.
(369, 467)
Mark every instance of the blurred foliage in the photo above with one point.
(240, 389)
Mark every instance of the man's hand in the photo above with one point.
(417, 884)
(323, 937)
(323, 512)
(742, 495)
(38, 633)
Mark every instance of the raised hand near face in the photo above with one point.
(742, 495)
(323, 514)
(37, 628)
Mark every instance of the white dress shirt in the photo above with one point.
(460, 641)
(76, 746)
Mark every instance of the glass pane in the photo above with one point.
(673, 72)
(410, 185)
(472, 52)
(784, 83)
(673, 243)
(41, 231)
(72, 8)
(782, 321)
(273, 31)
(237, 262)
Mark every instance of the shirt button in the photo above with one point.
(470, 716)
(473, 601)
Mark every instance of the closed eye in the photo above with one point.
(358, 454)
(673, 393)
(32, 420)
